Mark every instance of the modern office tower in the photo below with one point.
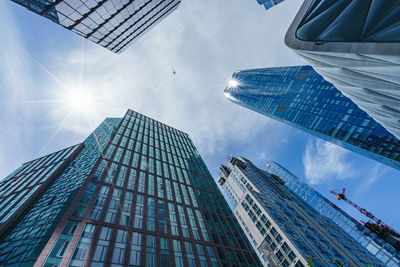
(300, 97)
(269, 3)
(355, 45)
(382, 250)
(283, 228)
(135, 193)
(109, 23)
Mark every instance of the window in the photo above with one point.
(176, 244)
(202, 255)
(151, 224)
(82, 248)
(151, 251)
(135, 252)
(184, 225)
(101, 249)
(64, 240)
(139, 211)
(162, 217)
(190, 254)
(119, 249)
(99, 203)
(113, 206)
(173, 220)
(164, 250)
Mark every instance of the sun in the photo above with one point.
(79, 100)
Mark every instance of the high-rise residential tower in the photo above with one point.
(381, 249)
(355, 45)
(283, 228)
(269, 3)
(109, 23)
(135, 193)
(300, 97)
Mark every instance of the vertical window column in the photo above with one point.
(82, 248)
(136, 249)
(118, 255)
(139, 212)
(100, 252)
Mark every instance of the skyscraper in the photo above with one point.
(269, 3)
(283, 229)
(111, 24)
(382, 250)
(135, 193)
(300, 97)
(355, 45)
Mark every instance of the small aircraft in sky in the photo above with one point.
(173, 72)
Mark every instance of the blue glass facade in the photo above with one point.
(284, 229)
(300, 97)
(383, 251)
(18, 190)
(138, 194)
(23, 243)
(269, 3)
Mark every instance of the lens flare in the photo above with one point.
(233, 83)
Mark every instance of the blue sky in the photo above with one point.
(205, 41)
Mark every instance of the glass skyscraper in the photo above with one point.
(109, 23)
(382, 250)
(281, 226)
(135, 193)
(269, 3)
(300, 97)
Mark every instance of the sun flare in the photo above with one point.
(233, 83)
(80, 101)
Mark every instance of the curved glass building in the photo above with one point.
(355, 45)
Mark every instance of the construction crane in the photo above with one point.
(382, 230)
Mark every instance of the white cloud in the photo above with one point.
(324, 162)
(372, 175)
(14, 80)
(205, 41)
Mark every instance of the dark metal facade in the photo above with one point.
(113, 24)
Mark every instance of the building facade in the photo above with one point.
(300, 97)
(282, 228)
(382, 250)
(355, 45)
(135, 193)
(111, 24)
(269, 3)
